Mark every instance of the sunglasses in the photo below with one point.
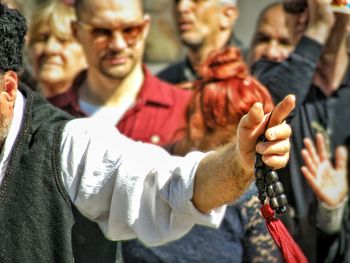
(294, 6)
(130, 32)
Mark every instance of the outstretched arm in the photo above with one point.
(224, 175)
(138, 190)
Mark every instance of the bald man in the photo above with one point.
(204, 26)
(117, 88)
(271, 39)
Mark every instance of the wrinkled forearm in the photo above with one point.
(220, 179)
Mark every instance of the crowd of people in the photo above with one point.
(103, 161)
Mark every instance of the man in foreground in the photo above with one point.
(51, 164)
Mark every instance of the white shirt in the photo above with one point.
(107, 114)
(130, 189)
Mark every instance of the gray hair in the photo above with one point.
(228, 2)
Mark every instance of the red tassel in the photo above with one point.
(290, 250)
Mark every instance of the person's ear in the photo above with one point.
(229, 17)
(147, 27)
(10, 85)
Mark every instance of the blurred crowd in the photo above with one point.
(87, 58)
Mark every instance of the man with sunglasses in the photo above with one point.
(204, 26)
(117, 87)
(317, 72)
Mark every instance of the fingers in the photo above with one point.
(312, 154)
(278, 132)
(253, 117)
(282, 110)
(321, 147)
(253, 124)
(341, 158)
(310, 165)
(310, 178)
(279, 147)
(276, 161)
(274, 154)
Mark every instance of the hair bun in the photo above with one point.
(223, 64)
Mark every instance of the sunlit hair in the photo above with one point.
(227, 91)
(57, 15)
(221, 98)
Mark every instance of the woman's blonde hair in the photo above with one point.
(57, 15)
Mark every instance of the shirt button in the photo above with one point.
(155, 139)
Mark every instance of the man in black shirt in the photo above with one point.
(317, 73)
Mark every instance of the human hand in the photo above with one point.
(275, 151)
(321, 20)
(329, 183)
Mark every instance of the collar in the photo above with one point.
(13, 133)
(155, 91)
(189, 73)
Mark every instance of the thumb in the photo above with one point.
(254, 117)
(341, 158)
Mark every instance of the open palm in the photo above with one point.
(329, 183)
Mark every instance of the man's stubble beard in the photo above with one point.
(109, 75)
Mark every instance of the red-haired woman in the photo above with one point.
(223, 95)
(221, 98)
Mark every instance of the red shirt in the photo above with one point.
(158, 115)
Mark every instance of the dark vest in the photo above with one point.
(36, 215)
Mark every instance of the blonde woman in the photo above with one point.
(54, 54)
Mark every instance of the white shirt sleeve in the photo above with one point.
(131, 189)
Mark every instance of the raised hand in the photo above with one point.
(321, 20)
(329, 183)
(275, 151)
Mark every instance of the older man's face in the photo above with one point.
(198, 20)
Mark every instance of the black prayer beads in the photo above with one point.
(268, 185)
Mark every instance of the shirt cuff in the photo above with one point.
(328, 218)
(182, 202)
